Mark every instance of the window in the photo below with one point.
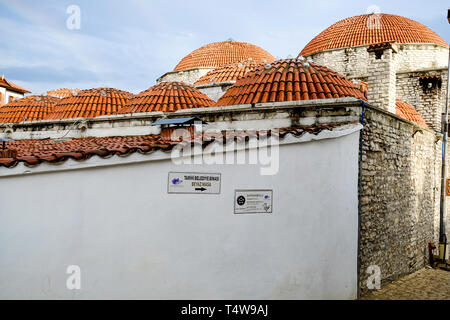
(11, 98)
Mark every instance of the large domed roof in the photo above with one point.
(166, 97)
(31, 108)
(370, 29)
(217, 54)
(91, 103)
(289, 80)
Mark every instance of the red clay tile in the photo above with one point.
(167, 97)
(33, 152)
(218, 54)
(63, 93)
(30, 108)
(409, 113)
(11, 86)
(230, 72)
(356, 31)
(287, 80)
(91, 103)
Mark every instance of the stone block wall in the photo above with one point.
(186, 76)
(429, 102)
(350, 62)
(381, 79)
(353, 62)
(399, 195)
(413, 57)
(215, 92)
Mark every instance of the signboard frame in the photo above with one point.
(195, 173)
(236, 191)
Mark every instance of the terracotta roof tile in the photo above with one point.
(409, 113)
(218, 54)
(63, 93)
(167, 96)
(289, 80)
(30, 108)
(91, 103)
(365, 30)
(230, 72)
(33, 152)
(11, 86)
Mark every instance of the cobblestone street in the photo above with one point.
(426, 284)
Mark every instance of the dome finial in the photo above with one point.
(373, 9)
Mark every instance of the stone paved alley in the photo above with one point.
(426, 284)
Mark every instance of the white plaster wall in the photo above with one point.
(5, 94)
(133, 240)
(13, 94)
(2, 96)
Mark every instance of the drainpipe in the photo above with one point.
(442, 237)
(358, 262)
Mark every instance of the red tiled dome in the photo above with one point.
(366, 30)
(167, 96)
(230, 72)
(217, 54)
(30, 108)
(289, 80)
(409, 113)
(91, 103)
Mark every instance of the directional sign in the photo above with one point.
(253, 201)
(194, 183)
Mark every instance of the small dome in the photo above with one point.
(63, 93)
(91, 103)
(31, 108)
(230, 72)
(408, 112)
(370, 29)
(289, 80)
(218, 54)
(166, 97)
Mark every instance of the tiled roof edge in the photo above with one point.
(114, 158)
(366, 45)
(198, 111)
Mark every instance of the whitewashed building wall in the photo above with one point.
(132, 239)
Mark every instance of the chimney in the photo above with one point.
(5, 152)
(382, 75)
(180, 128)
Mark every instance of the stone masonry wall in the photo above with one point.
(187, 76)
(353, 62)
(430, 103)
(381, 78)
(215, 92)
(399, 195)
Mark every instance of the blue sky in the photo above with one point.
(129, 44)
